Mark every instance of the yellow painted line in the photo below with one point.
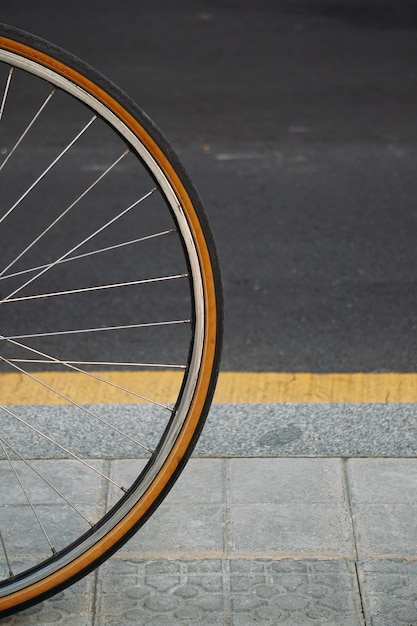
(19, 389)
(233, 387)
(281, 387)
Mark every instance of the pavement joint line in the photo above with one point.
(232, 387)
(353, 535)
(348, 499)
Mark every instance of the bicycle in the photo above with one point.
(100, 224)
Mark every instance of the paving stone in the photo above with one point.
(383, 481)
(291, 506)
(384, 506)
(389, 591)
(235, 592)
(287, 480)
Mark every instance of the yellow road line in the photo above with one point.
(233, 387)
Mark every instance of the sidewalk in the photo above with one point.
(264, 541)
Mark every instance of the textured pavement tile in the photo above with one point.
(72, 607)
(291, 506)
(227, 592)
(389, 591)
(384, 506)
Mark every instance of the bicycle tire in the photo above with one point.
(43, 63)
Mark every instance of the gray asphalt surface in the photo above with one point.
(297, 122)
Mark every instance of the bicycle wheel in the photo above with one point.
(110, 289)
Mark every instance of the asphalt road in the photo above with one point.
(297, 121)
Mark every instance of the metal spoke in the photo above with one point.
(60, 446)
(90, 289)
(92, 253)
(27, 497)
(6, 556)
(45, 480)
(84, 241)
(6, 91)
(97, 363)
(67, 210)
(28, 127)
(44, 173)
(95, 330)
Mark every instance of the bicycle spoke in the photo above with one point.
(27, 129)
(6, 556)
(101, 363)
(6, 91)
(44, 173)
(68, 292)
(92, 253)
(95, 330)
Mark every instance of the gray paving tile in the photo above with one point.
(383, 481)
(384, 505)
(389, 592)
(287, 480)
(291, 506)
(386, 532)
(227, 592)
